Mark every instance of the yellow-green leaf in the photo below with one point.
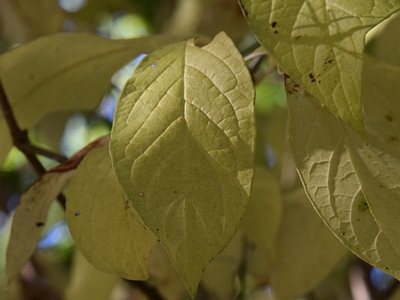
(63, 72)
(354, 185)
(87, 282)
(30, 217)
(319, 44)
(103, 223)
(183, 148)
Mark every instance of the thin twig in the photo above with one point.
(21, 140)
(242, 272)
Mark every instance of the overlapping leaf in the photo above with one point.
(103, 223)
(183, 148)
(320, 45)
(30, 217)
(354, 186)
(63, 72)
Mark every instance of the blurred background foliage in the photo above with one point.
(56, 266)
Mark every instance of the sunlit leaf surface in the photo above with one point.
(354, 185)
(319, 44)
(30, 218)
(63, 72)
(183, 148)
(103, 223)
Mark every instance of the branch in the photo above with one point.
(21, 140)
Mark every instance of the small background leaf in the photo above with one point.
(103, 223)
(30, 217)
(263, 216)
(87, 282)
(63, 72)
(306, 249)
(319, 44)
(183, 148)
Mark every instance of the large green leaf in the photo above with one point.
(103, 223)
(319, 44)
(183, 148)
(63, 72)
(354, 185)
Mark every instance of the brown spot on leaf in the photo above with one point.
(39, 224)
(363, 206)
(273, 24)
(389, 118)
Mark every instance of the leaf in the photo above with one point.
(23, 20)
(183, 149)
(30, 217)
(221, 276)
(354, 185)
(4, 240)
(319, 44)
(163, 275)
(103, 223)
(306, 249)
(63, 72)
(88, 282)
(263, 216)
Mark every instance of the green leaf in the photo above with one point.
(63, 72)
(354, 186)
(319, 44)
(103, 223)
(30, 217)
(183, 148)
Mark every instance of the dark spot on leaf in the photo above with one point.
(273, 24)
(158, 240)
(389, 118)
(386, 268)
(141, 194)
(363, 206)
(319, 81)
(393, 138)
(311, 76)
(39, 224)
(175, 192)
(77, 213)
(297, 37)
(246, 13)
(276, 31)
(156, 229)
